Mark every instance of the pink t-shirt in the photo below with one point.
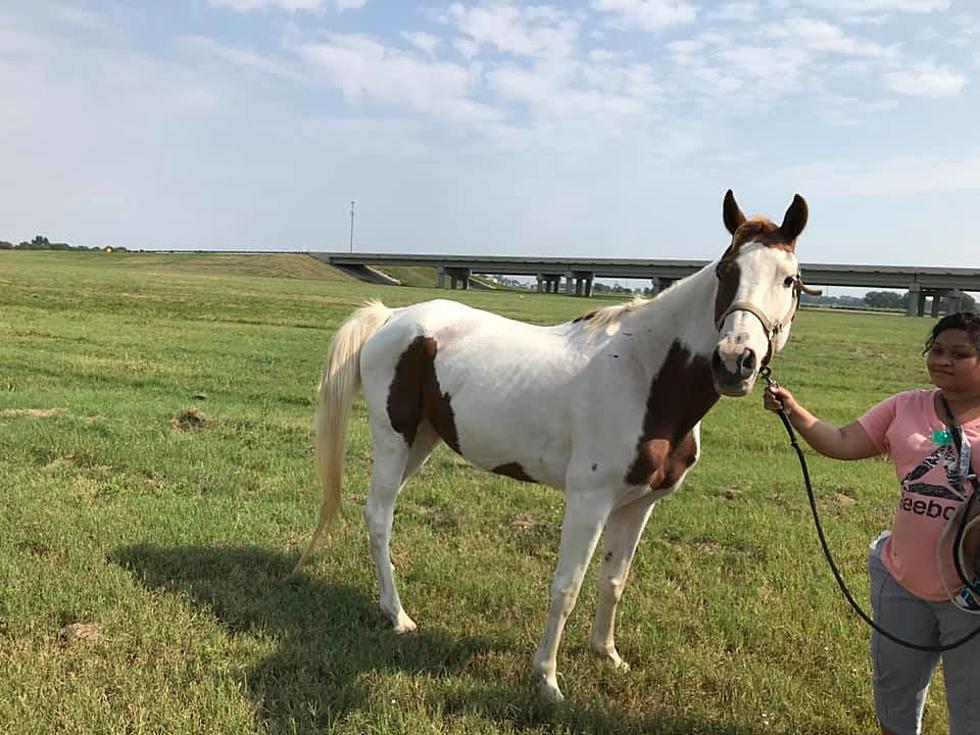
(902, 427)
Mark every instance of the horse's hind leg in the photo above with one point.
(394, 462)
(623, 530)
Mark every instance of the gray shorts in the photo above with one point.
(901, 675)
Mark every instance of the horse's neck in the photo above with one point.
(684, 313)
(676, 335)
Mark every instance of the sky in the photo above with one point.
(599, 128)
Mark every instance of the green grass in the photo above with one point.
(177, 543)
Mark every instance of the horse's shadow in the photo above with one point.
(329, 636)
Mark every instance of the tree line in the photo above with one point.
(40, 242)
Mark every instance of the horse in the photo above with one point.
(606, 407)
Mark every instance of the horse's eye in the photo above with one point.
(790, 280)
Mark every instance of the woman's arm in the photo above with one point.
(844, 442)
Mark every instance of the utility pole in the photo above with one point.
(352, 225)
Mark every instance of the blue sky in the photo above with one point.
(592, 128)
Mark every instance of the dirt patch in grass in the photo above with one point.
(189, 419)
(80, 633)
(28, 413)
(524, 521)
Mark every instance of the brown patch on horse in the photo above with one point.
(584, 317)
(415, 394)
(760, 230)
(513, 469)
(728, 274)
(680, 395)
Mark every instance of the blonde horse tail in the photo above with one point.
(339, 384)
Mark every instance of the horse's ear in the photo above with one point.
(731, 213)
(795, 219)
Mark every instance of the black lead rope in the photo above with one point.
(766, 374)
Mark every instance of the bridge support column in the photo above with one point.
(540, 283)
(569, 283)
(937, 303)
(916, 301)
(459, 276)
(583, 283)
(440, 277)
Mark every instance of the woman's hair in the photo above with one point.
(965, 320)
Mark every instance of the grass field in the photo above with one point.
(157, 486)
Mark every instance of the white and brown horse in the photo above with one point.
(605, 407)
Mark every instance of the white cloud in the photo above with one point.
(845, 111)
(79, 17)
(292, 6)
(240, 57)
(774, 66)
(363, 69)
(551, 94)
(897, 176)
(881, 6)
(423, 41)
(824, 37)
(925, 80)
(532, 31)
(648, 15)
(741, 12)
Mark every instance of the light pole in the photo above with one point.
(352, 225)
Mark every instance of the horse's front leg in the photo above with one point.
(623, 530)
(585, 514)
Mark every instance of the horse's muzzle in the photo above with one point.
(734, 374)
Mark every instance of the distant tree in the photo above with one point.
(884, 300)
(4, 245)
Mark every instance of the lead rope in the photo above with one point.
(766, 374)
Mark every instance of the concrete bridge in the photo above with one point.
(941, 284)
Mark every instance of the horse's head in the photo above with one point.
(759, 287)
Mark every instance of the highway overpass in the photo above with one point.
(578, 273)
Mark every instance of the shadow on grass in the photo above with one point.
(331, 634)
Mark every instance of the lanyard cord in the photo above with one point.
(766, 375)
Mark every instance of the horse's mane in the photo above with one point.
(600, 319)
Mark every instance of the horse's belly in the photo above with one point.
(515, 429)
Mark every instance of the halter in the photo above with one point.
(771, 328)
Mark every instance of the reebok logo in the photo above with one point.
(930, 509)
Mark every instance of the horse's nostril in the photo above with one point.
(716, 363)
(746, 363)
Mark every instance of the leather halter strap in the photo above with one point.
(770, 327)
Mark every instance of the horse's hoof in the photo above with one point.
(550, 693)
(612, 658)
(404, 624)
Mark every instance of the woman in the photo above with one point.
(910, 595)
